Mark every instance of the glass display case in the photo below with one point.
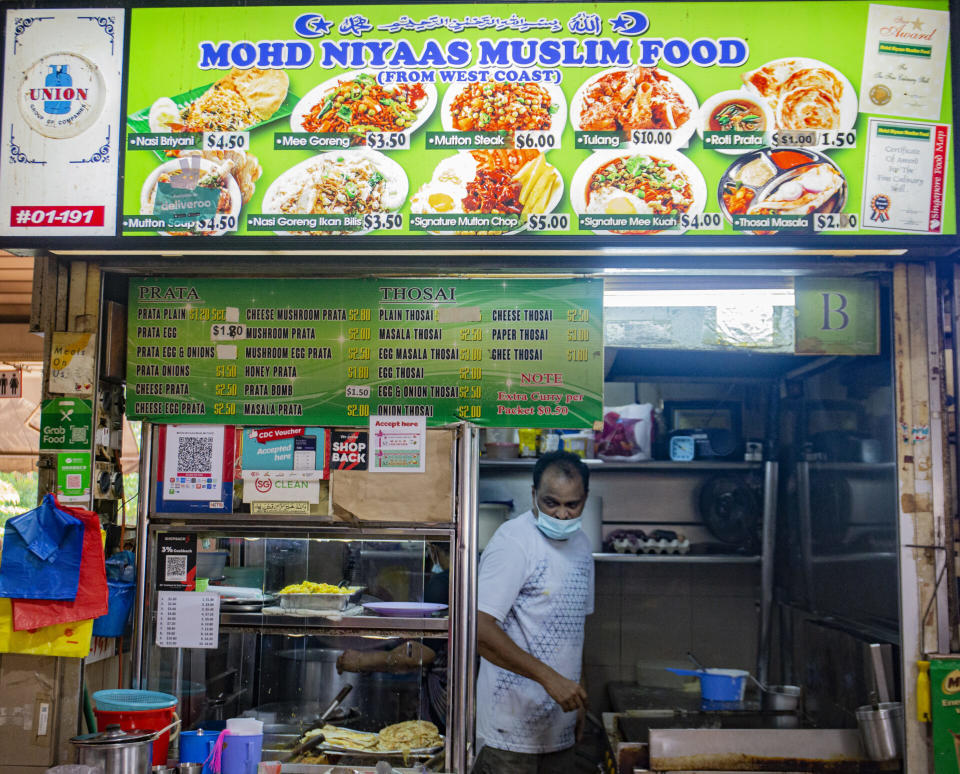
(389, 616)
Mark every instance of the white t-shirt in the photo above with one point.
(539, 590)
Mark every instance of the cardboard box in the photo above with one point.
(358, 495)
(28, 734)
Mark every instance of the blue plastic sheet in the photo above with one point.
(41, 554)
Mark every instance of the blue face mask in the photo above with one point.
(557, 529)
(436, 569)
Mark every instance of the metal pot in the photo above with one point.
(310, 675)
(116, 751)
(781, 698)
(882, 730)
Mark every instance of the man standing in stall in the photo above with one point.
(535, 590)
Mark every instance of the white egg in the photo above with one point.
(789, 191)
(438, 197)
(163, 112)
(818, 179)
(613, 201)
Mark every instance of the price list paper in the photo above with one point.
(499, 353)
(187, 619)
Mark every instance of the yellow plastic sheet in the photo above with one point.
(69, 639)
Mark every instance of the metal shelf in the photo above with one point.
(678, 558)
(597, 466)
(863, 556)
(258, 527)
(360, 624)
(855, 467)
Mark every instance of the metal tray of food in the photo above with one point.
(325, 601)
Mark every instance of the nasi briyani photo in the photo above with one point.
(636, 98)
(518, 182)
(804, 94)
(644, 181)
(238, 101)
(347, 182)
(356, 104)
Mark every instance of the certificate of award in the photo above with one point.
(904, 56)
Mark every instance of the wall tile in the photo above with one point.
(650, 578)
(654, 626)
(731, 580)
(601, 644)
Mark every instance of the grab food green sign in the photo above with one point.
(742, 119)
(501, 353)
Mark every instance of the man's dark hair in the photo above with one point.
(567, 463)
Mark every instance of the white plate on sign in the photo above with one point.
(317, 93)
(463, 167)
(389, 168)
(188, 165)
(849, 105)
(581, 179)
(678, 137)
(557, 102)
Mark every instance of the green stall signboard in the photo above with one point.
(735, 119)
(498, 353)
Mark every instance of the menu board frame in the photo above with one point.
(916, 245)
(336, 352)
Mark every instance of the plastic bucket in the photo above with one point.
(722, 684)
(114, 623)
(718, 684)
(241, 754)
(195, 746)
(143, 720)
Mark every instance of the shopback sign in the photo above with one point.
(499, 353)
(617, 121)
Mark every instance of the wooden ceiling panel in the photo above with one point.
(16, 287)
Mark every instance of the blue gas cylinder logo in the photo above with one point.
(58, 91)
(62, 95)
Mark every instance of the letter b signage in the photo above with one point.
(833, 306)
(836, 316)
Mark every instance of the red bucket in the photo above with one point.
(143, 720)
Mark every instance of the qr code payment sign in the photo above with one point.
(194, 455)
(176, 568)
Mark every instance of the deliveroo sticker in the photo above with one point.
(185, 207)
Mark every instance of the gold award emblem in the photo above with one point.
(880, 94)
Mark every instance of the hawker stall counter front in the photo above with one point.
(318, 583)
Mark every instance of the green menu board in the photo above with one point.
(499, 353)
